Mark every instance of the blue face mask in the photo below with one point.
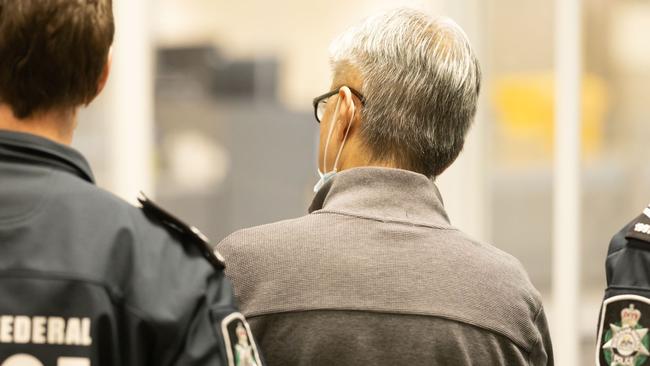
(328, 176)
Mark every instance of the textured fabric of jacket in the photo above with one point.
(376, 275)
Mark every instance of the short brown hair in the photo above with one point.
(52, 52)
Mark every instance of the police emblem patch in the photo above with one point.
(240, 346)
(623, 340)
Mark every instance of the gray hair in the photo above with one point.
(421, 81)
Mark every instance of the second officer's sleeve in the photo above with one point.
(623, 320)
(184, 306)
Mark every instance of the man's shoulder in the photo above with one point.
(259, 237)
(509, 302)
(494, 263)
(491, 254)
(267, 247)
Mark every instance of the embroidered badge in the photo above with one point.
(623, 339)
(240, 345)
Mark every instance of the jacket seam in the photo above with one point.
(116, 297)
(385, 221)
(403, 313)
(52, 275)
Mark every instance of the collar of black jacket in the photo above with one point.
(31, 149)
(384, 194)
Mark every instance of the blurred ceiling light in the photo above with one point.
(630, 27)
(196, 162)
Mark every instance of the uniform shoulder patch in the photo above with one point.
(186, 232)
(640, 228)
(623, 331)
(241, 349)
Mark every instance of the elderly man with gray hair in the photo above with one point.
(376, 274)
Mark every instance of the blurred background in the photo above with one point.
(209, 110)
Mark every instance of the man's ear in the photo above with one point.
(347, 111)
(103, 79)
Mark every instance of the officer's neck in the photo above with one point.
(56, 125)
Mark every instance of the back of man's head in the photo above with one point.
(52, 53)
(421, 82)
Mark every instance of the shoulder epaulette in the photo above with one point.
(640, 228)
(186, 232)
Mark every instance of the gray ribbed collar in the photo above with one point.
(383, 194)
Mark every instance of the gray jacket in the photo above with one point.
(376, 275)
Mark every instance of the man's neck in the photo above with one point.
(356, 155)
(57, 126)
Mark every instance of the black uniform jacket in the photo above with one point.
(625, 314)
(87, 279)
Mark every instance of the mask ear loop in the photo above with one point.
(329, 135)
(345, 138)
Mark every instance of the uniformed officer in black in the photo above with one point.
(623, 337)
(85, 278)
